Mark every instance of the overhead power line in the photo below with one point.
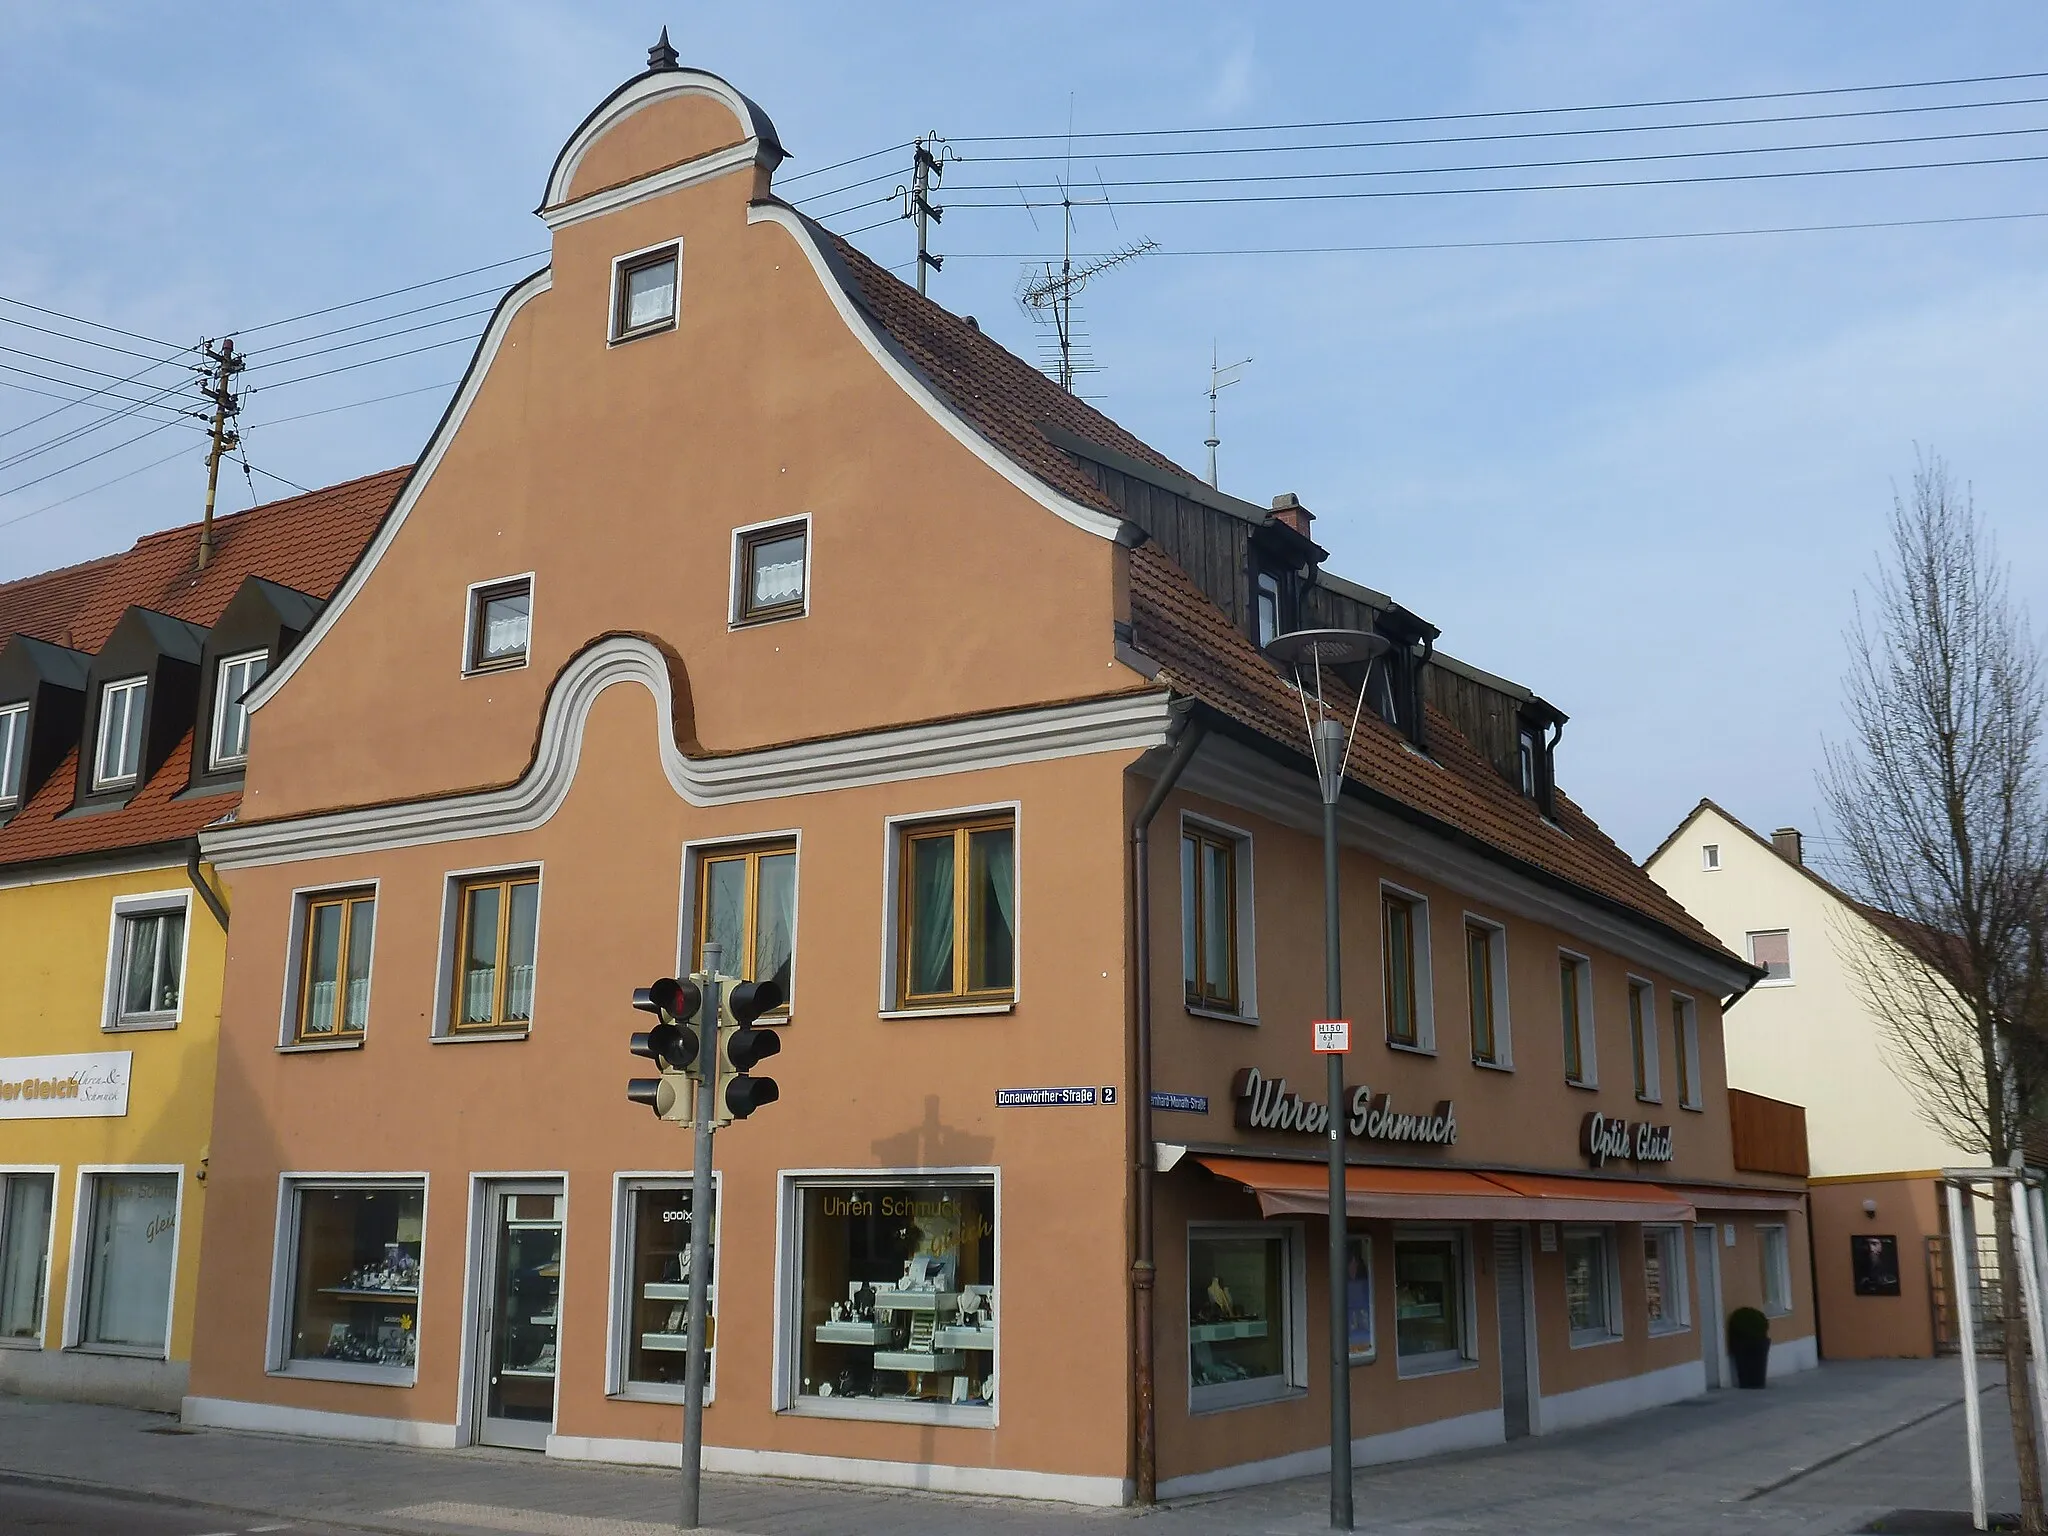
(169, 346)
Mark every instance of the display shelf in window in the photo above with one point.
(1213, 1333)
(655, 1329)
(356, 1276)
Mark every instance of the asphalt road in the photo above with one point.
(47, 1512)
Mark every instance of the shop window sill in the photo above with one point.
(1667, 1330)
(34, 1343)
(124, 1351)
(1227, 1402)
(342, 1370)
(1407, 1371)
(1493, 1066)
(1411, 1047)
(1221, 1015)
(294, 1047)
(1594, 1339)
(655, 1392)
(466, 1036)
(137, 1026)
(947, 1011)
(886, 1411)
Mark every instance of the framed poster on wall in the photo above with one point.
(1874, 1264)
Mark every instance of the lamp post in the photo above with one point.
(1308, 652)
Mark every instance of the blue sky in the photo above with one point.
(1643, 477)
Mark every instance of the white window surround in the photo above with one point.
(1246, 937)
(133, 692)
(1674, 1253)
(1710, 856)
(284, 1254)
(1698, 1098)
(1749, 939)
(1503, 1032)
(735, 604)
(1468, 1351)
(1293, 1383)
(1776, 1259)
(446, 961)
(54, 1174)
(227, 706)
(470, 616)
(302, 898)
(614, 320)
(789, 1186)
(1610, 1263)
(618, 1300)
(1589, 1055)
(892, 847)
(686, 928)
(1653, 1061)
(13, 752)
(75, 1286)
(142, 904)
(1423, 980)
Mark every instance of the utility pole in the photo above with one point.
(227, 407)
(1218, 382)
(928, 167)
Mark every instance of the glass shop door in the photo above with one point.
(520, 1316)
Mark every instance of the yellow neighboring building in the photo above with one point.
(121, 735)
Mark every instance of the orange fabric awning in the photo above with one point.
(1292, 1188)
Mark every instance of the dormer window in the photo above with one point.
(644, 300)
(118, 757)
(1529, 752)
(13, 749)
(1266, 608)
(234, 676)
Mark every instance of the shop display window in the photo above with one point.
(24, 1255)
(130, 1257)
(658, 1281)
(1430, 1310)
(1358, 1296)
(897, 1297)
(1590, 1299)
(1240, 1316)
(1664, 1279)
(355, 1276)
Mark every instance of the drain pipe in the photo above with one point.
(1189, 733)
(206, 892)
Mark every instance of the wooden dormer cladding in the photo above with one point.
(51, 681)
(164, 651)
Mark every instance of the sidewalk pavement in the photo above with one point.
(1824, 1451)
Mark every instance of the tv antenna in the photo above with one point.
(1050, 296)
(1221, 377)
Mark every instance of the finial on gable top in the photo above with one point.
(662, 55)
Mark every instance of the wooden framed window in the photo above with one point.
(644, 300)
(494, 952)
(1398, 920)
(1484, 985)
(771, 571)
(334, 966)
(1685, 1052)
(956, 906)
(746, 900)
(1575, 1018)
(1208, 895)
(500, 624)
(1642, 1040)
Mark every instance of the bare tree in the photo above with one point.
(1938, 799)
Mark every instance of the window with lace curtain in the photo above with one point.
(498, 922)
(771, 567)
(956, 912)
(334, 966)
(500, 620)
(746, 902)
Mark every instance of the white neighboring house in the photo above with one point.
(1804, 1034)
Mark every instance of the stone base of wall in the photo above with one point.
(73, 1376)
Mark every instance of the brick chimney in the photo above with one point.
(1287, 508)
(1786, 840)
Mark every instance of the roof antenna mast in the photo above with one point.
(1218, 382)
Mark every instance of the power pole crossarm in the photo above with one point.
(219, 391)
(927, 168)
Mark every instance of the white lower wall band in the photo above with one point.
(1463, 1433)
(276, 1419)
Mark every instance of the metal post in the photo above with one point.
(1340, 1333)
(698, 1362)
(2030, 1291)
(1962, 1277)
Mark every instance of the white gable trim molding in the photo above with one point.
(437, 447)
(737, 157)
(1087, 519)
(636, 95)
(1124, 722)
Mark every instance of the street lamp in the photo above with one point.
(1309, 652)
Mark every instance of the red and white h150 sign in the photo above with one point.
(1333, 1036)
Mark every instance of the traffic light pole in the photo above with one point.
(699, 1359)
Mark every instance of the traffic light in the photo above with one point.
(741, 1047)
(673, 1045)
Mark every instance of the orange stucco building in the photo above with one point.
(742, 593)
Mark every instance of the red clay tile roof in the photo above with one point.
(1006, 399)
(305, 542)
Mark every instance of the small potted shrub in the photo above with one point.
(1749, 1345)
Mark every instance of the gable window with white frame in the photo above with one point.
(26, 1199)
(1575, 1018)
(1685, 1051)
(147, 963)
(1486, 969)
(1432, 1300)
(956, 912)
(746, 903)
(13, 752)
(117, 757)
(644, 293)
(233, 677)
(1404, 952)
(1710, 856)
(1776, 1251)
(1771, 952)
(1244, 1302)
(500, 624)
(496, 940)
(1592, 1285)
(1215, 905)
(1664, 1287)
(1642, 1040)
(771, 572)
(337, 933)
(129, 1222)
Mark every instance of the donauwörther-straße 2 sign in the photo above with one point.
(1268, 1104)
